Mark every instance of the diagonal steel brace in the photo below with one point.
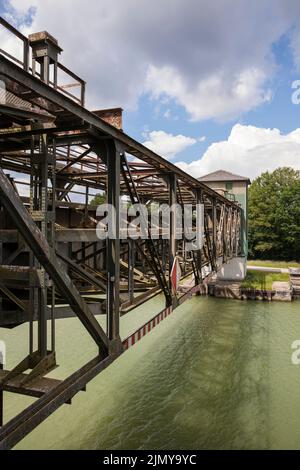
(48, 259)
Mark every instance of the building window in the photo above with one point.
(229, 185)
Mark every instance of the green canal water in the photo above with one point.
(217, 374)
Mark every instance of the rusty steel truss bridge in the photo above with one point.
(55, 155)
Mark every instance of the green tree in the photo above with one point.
(288, 219)
(98, 200)
(274, 215)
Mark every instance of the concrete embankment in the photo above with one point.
(233, 289)
(281, 290)
(295, 282)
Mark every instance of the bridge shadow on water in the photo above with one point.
(205, 378)
(202, 383)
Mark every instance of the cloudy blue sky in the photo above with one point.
(205, 83)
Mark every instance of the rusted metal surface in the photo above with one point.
(36, 388)
(13, 431)
(113, 116)
(52, 263)
(48, 259)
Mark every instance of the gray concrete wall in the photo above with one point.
(233, 270)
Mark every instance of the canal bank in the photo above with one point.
(216, 374)
(265, 283)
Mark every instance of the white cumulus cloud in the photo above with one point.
(168, 145)
(249, 151)
(214, 96)
(214, 58)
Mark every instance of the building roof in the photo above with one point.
(222, 175)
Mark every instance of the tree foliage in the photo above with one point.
(274, 215)
(98, 200)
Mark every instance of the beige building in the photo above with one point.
(234, 187)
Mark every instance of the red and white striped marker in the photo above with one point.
(147, 327)
(141, 332)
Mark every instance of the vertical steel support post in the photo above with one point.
(199, 200)
(42, 210)
(26, 55)
(82, 94)
(229, 242)
(131, 261)
(172, 231)
(43, 200)
(224, 241)
(45, 69)
(240, 241)
(42, 164)
(113, 242)
(52, 237)
(215, 229)
(163, 253)
(38, 210)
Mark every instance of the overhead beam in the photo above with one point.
(9, 69)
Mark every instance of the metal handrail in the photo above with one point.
(24, 63)
(12, 29)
